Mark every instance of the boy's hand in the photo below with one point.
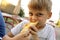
(33, 31)
(25, 36)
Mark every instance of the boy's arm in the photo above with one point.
(16, 37)
(15, 31)
(8, 36)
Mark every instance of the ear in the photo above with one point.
(49, 15)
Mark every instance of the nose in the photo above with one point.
(34, 19)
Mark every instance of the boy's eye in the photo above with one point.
(30, 14)
(39, 14)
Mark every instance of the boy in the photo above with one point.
(39, 11)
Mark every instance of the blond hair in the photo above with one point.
(40, 4)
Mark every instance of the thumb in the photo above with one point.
(24, 34)
(29, 36)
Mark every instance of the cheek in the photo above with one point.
(41, 19)
(30, 17)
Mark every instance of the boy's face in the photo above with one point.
(39, 16)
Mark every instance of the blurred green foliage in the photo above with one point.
(21, 14)
(58, 23)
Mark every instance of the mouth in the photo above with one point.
(38, 24)
(31, 24)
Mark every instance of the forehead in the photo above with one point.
(38, 11)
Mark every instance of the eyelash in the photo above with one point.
(39, 14)
(30, 14)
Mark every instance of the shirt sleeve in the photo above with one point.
(19, 27)
(2, 26)
(52, 35)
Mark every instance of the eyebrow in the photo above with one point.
(40, 13)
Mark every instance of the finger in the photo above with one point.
(34, 28)
(26, 35)
(29, 36)
(26, 38)
(32, 32)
